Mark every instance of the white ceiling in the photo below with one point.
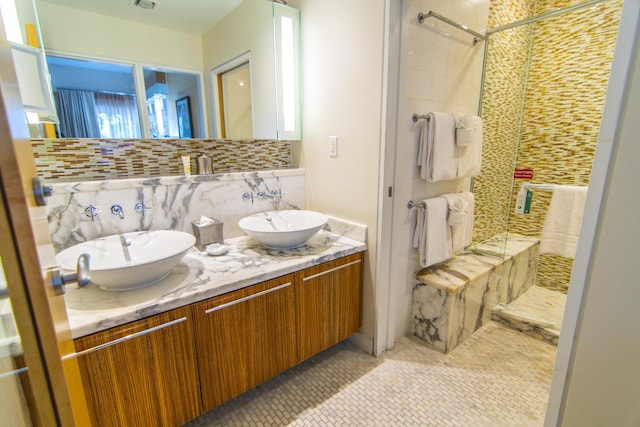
(191, 16)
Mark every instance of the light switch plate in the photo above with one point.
(333, 146)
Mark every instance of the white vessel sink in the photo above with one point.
(130, 260)
(283, 229)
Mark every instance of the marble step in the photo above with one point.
(538, 313)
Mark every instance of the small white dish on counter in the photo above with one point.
(216, 249)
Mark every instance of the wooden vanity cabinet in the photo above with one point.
(170, 368)
(244, 338)
(328, 304)
(143, 373)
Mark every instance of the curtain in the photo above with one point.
(117, 115)
(77, 113)
(88, 114)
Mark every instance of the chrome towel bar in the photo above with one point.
(476, 35)
(417, 117)
(411, 204)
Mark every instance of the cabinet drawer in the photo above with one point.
(244, 338)
(328, 304)
(143, 373)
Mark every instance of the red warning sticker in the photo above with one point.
(523, 173)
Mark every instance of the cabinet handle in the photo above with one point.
(125, 338)
(12, 373)
(331, 270)
(247, 298)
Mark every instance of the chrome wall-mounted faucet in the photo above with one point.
(91, 212)
(117, 210)
(274, 195)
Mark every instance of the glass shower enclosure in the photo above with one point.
(545, 78)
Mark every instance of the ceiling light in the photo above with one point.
(145, 4)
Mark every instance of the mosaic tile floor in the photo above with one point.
(497, 377)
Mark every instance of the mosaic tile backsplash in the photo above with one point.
(555, 119)
(84, 159)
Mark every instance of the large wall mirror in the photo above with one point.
(158, 69)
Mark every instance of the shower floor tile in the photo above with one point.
(538, 313)
(497, 377)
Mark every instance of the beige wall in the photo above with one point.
(70, 30)
(342, 92)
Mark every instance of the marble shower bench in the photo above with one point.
(453, 299)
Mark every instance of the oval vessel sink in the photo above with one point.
(130, 260)
(283, 229)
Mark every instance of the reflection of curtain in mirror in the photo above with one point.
(77, 114)
(117, 115)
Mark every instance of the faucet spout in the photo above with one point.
(125, 243)
(117, 210)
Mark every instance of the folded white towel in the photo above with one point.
(564, 219)
(465, 129)
(465, 137)
(457, 209)
(432, 235)
(436, 150)
(469, 156)
(461, 206)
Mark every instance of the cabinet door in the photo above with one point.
(244, 338)
(143, 373)
(329, 304)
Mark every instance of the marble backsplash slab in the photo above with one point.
(171, 202)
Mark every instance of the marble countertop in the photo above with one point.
(198, 277)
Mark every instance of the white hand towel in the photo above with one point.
(469, 157)
(436, 151)
(432, 235)
(462, 226)
(457, 209)
(564, 219)
(465, 129)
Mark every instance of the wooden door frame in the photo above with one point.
(40, 315)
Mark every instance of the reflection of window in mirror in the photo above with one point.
(163, 88)
(234, 91)
(98, 99)
(94, 99)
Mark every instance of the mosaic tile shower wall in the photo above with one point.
(85, 159)
(570, 54)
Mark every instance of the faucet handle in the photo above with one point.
(276, 193)
(248, 196)
(92, 212)
(140, 207)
